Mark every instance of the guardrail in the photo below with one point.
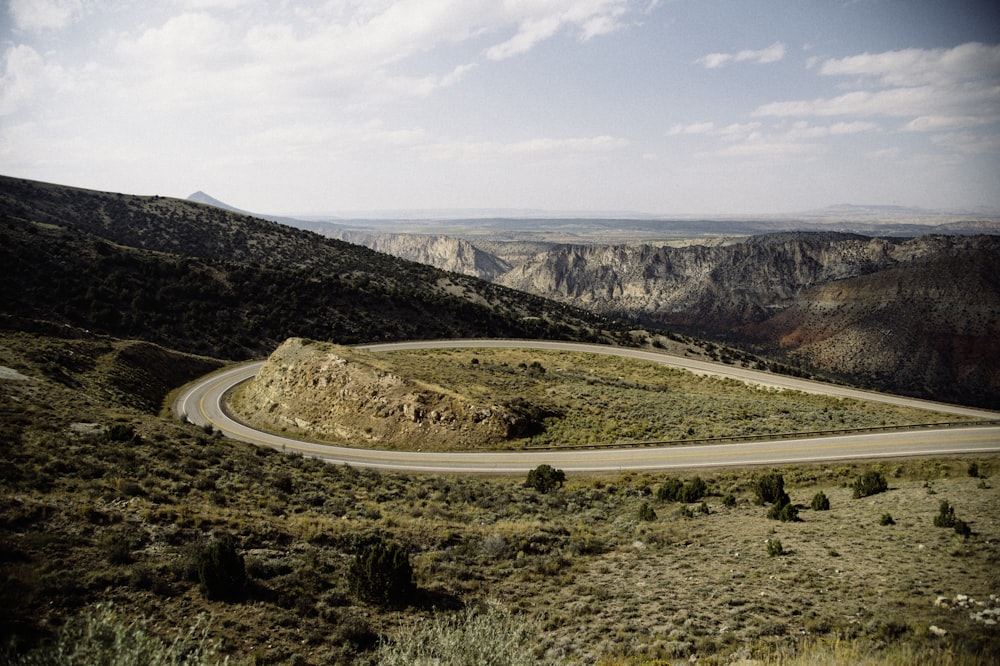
(754, 438)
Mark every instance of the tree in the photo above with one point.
(870, 483)
(770, 488)
(545, 478)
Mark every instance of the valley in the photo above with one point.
(119, 519)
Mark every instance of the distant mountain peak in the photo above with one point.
(203, 198)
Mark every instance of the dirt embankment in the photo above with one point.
(334, 393)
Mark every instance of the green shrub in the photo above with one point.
(381, 572)
(221, 570)
(120, 432)
(870, 483)
(946, 515)
(820, 502)
(694, 490)
(962, 528)
(769, 488)
(729, 500)
(974, 469)
(670, 490)
(774, 548)
(545, 478)
(646, 512)
(886, 519)
(784, 511)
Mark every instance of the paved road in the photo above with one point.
(202, 403)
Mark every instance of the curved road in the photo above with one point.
(202, 404)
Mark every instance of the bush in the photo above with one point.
(784, 511)
(769, 488)
(120, 432)
(774, 548)
(545, 478)
(962, 528)
(974, 469)
(381, 572)
(490, 636)
(729, 500)
(946, 515)
(675, 490)
(694, 490)
(820, 502)
(886, 519)
(646, 512)
(101, 636)
(221, 570)
(870, 483)
(670, 490)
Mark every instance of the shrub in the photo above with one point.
(886, 519)
(120, 432)
(774, 548)
(670, 490)
(946, 515)
(101, 636)
(870, 483)
(974, 469)
(381, 572)
(820, 502)
(729, 500)
(489, 636)
(545, 478)
(962, 528)
(221, 570)
(694, 490)
(646, 512)
(784, 511)
(769, 488)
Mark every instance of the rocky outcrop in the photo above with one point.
(445, 252)
(919, 316)
(339, 394)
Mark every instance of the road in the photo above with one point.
(202, 404)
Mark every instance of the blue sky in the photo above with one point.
(666, 107)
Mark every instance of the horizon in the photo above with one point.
(653, 108)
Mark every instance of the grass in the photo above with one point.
(87, 519)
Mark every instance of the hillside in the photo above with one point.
(916, 316)
(199, 279)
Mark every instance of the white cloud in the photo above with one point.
(917, 67)
(772, 53)
(691, 128)
(26, 76)
(542, 148)
(44, 14)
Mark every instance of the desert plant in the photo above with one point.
(729, 500)
(103, 636)
(886, 519)
(870, 483)
(774, 548)
(670, 490)
(221, 570)
(962, 528)
(545, 478)
(646, 512)
(492, 637)
(694, 490)
(974, 469)
(820, 502)
(784, 511)
(946, 515)
(769, 488)
(120, 432)
(381, 572)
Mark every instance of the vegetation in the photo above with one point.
(870, 483)
(820, 502)
(381, 572)
(221, 570)
(545, 478)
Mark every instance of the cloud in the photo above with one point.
(25, 77)
(542, 148)
(772, 53)
(44, 14)
(961, 84)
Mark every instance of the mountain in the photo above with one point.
(916, 316)
(201, 279)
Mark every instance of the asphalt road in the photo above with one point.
(202, 404)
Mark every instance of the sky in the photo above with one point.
(666, 107)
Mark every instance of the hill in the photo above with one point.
(204, 280)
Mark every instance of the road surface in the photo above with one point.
(202, 403)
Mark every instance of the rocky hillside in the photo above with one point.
(201, 279)
(339, 394)
(919, 316)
